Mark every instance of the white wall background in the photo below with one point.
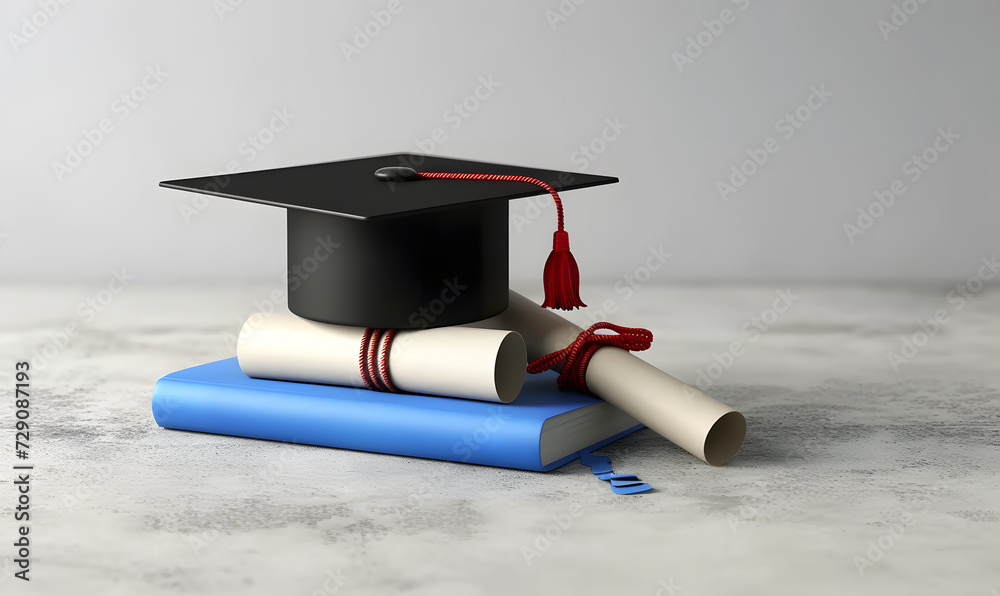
(228, 70)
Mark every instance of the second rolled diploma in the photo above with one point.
(708, 429)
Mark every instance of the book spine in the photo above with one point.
(351, 419)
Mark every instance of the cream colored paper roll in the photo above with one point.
(483, 364)
(709, 429)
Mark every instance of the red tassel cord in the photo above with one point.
(561, 276)
(576, 356)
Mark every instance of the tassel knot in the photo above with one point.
(560, 241)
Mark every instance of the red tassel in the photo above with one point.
(561, 277)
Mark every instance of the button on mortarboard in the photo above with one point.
(372, 252)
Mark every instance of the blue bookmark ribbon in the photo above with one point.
(621, 484)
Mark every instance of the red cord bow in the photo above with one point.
(576, 356)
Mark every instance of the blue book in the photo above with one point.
(541, 430)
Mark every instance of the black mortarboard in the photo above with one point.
(395, 250)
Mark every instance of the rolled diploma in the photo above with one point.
(483, 364)
(708, 429)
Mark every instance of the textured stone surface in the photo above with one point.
(842, 452)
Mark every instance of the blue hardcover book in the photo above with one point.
(541, 430)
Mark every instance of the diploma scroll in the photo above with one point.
(482, 364)
(709, 429)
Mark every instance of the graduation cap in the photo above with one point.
(403, 241)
